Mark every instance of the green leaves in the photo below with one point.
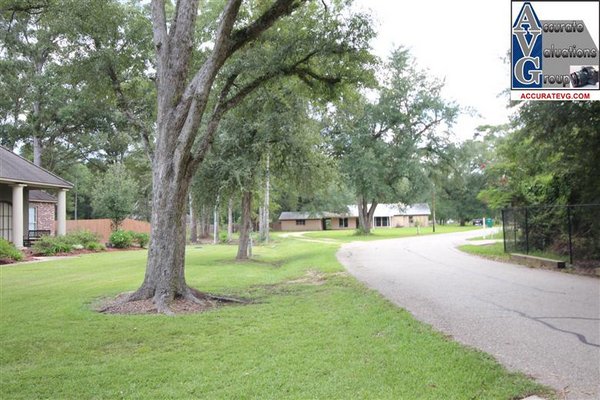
(114, 195)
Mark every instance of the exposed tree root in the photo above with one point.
(146, 302)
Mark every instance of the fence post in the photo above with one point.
(570, 235)
(526, 230)
(503, 231)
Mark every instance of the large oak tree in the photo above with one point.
(199, 82)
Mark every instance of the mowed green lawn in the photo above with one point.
(386, 233)
(324, 336)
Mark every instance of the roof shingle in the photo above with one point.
(16, 169)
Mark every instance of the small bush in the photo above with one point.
(121, 239)
(141, 239)
(9, 251)
(94, 246)
(223, 237)
(83, 238)
(50, 245)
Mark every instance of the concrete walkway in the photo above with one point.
(543, 323)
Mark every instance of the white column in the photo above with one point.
(61, 213)
(17, 215)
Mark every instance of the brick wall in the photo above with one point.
(45, 216)
(309, 225)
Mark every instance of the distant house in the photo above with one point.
(21, 185)
(386, 215)
(320, 221)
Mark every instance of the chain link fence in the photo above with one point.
(569, 233)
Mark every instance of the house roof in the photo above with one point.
(293, 215)
(16, 169)
(40, 196)
(417, 209)
(390, 210)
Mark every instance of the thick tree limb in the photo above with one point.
(131, 117)
(264, 22)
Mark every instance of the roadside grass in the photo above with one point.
(496, 251)
(494, 236)
(344, 236)
(326, 337)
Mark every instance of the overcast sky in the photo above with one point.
(461, 41)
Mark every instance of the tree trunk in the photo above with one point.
(261, 223)
(216, 223)
(37, 118)
(193, 223)
(230, 220)
(165, 277)
(245, 225)
(433, 208)
(365, 215)
(265, 214)
(204, 223)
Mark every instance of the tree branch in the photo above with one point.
(131, 118)
(279, 9)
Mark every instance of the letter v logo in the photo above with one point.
(527, 49)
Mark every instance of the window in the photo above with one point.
(6, 220)
(32, 218)
(343, 222)
(382, 221)
(300, 222)
(411, 220)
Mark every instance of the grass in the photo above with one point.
(495, 236)
(334, 340)
(496, 251)
(350, 235)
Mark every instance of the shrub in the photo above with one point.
(140, 238)
(121, 239)
(223, 237)
(50, 245)
(94, 246)
(9, 251)
(83, 238)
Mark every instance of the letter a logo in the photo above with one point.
(526, 49)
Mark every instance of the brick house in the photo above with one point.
(386, 215)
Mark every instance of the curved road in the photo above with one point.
(543, 323)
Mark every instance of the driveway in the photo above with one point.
(543, 323)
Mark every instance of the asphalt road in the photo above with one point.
(543, 323)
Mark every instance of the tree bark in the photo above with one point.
(365, 215)
(245, 225)
(193, 223)
(230, 220)
(216, 223)
(165, 279)
(265, 208)
(433, 207)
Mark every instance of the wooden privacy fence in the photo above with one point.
(102, 227)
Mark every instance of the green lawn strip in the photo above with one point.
(331, 338)
(496, 251)
(344, 236)
(495, 236)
